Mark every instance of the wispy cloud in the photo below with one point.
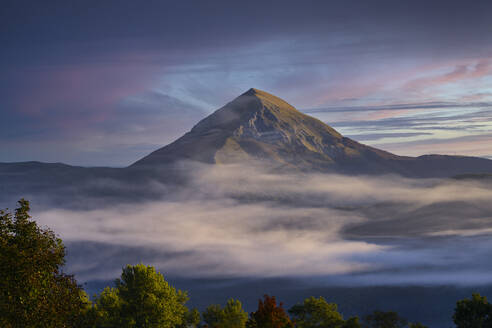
(472, 145)
(246, 221)
(416, 128)
(460, 73)
(59, 85)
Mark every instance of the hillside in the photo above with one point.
(260, 126)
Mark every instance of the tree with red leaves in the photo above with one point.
(269, 315)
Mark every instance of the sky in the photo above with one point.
(97, 83)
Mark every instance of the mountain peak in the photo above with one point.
(259, 94)
(251, 92)
(266, 100)
(259, 125)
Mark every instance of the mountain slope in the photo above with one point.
(261, 126)
(258, 125)
(254, 126)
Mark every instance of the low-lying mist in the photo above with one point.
(233, 221)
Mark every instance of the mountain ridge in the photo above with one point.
(260, 127)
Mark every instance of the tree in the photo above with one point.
(107, 308)
(269, 315)
(231, 316)
(473, 313)
(390, 319)
(352, 322)
(416, 325)
(212, 315)
(316, 312)
(34, 292)
(142, 298)
(192, 319)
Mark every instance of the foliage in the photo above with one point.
(212, 315)
(231, 316)
(192, 319)
(416, 325)
(269, 315)
(141, 298)
(34, 292)
(316, 312)
(473, 313)
(390, 319)
(352, 322)
(107, 308)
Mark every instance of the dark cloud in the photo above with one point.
(189, 22)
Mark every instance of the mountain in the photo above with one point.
(260, 126)
(256, 126)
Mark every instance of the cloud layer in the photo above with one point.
(244, 221)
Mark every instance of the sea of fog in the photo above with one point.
(365, 242)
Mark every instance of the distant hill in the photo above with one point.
(260, 126)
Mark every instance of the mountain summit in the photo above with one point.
(260, 126)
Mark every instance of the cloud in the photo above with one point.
(111, 131)
(461, 72)
(378, 136)
(239, 221)
(468, 145)
(398, 107)
(58, 83)
(221, 238)
(416, 129)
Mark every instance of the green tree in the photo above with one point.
(231, 316)
(107, 309)
(473, 313)
(416, 325)
(34, 292)
(192, 319)
(142, 298)
(316, 312)
(352, 322)
(390, 319)
(212, 315)
(269, 315)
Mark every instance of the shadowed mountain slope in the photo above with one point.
(261, 126)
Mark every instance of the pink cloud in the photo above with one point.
(410, 85)
(91, 89)
(460, 72)
(481, 96)
(383, 114)
(384, 87)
